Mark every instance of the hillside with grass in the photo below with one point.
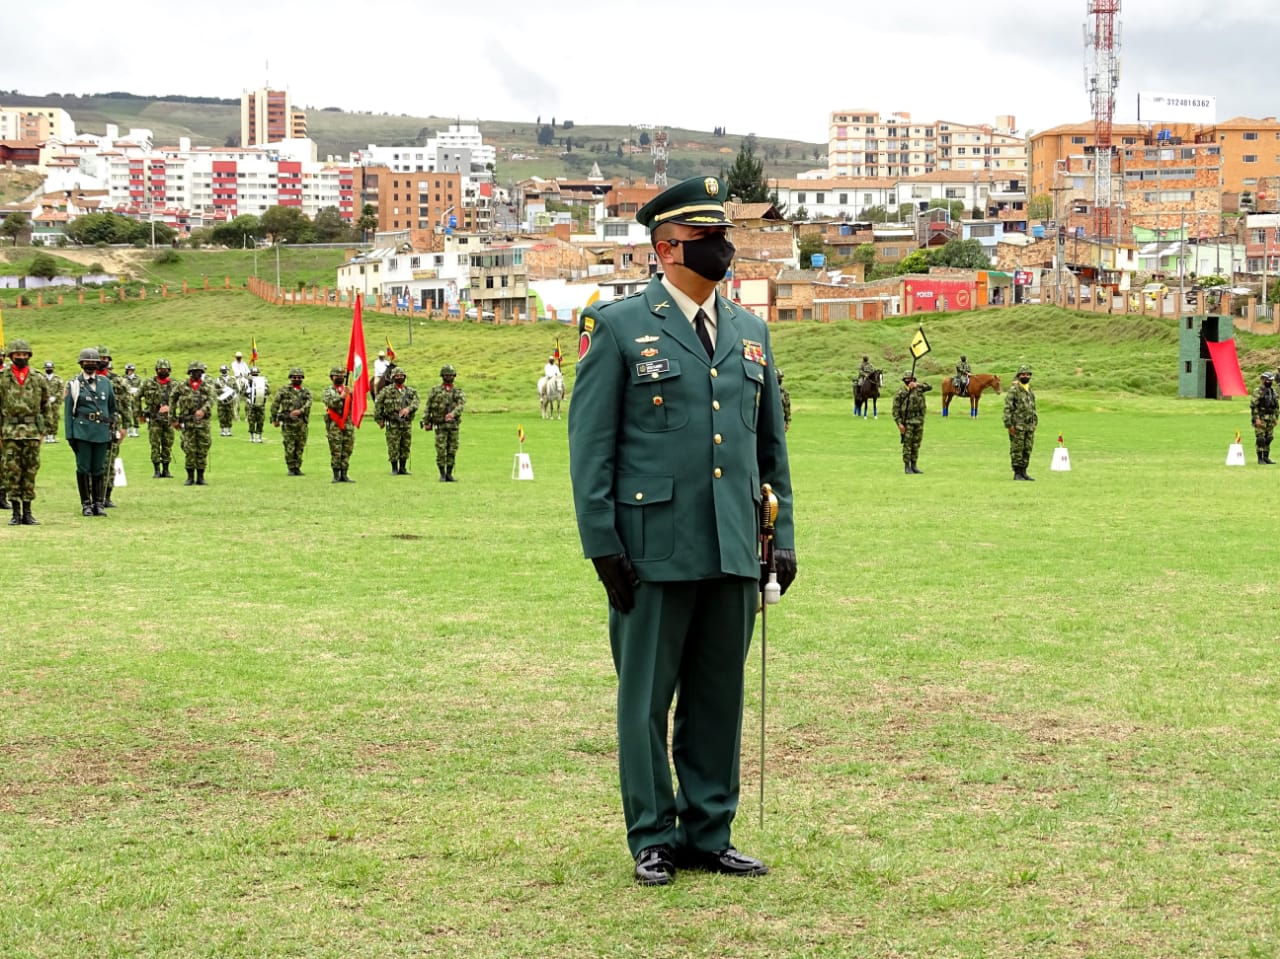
(214, 122)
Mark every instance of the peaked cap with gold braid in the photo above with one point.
(698, 201)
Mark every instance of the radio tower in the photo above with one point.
(659, 158)
(1102, 74)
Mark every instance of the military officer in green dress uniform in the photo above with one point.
(91, 421)
(339, 429)
(676, 421)
(193, 409)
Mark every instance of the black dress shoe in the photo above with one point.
(728, 862)
(655, 866)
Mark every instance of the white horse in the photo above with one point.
(550, 393)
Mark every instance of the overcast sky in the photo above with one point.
(771, 68)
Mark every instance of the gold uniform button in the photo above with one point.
(639, 497)
(719, 439)
(715, 404)
(714, 372)
(716, 474)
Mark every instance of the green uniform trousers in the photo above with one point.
(1020, 444)
(19, 463)
(161, 437)
(912, 434)
(446, 447)
(196, 441)
(690, 637)
(341, 443)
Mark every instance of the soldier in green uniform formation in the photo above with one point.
(124, 404)
(257, 394)
(53, 413)
(785, 396)
(157, 413)
(676, 422)
(91, 421)
(193, 407)
(24, 402)
(1264, 409)
(290, 410)
(443, 416)
(339, 429)
(224, 388)
(393, 411)
(908, 413)
(1020, 420)
(133, 386)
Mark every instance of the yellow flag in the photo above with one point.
(919, 344)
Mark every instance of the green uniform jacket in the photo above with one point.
(23, 405)
(287, 400)
(1264, 404)
(440, 403)
(89, 409)
(335, 403)
(909, 405)
(186, 399)
(1020, 407)
(391, 400)
(668, 449)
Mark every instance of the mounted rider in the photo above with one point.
(963, 370)
(867, 369)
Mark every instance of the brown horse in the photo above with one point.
(977, 383)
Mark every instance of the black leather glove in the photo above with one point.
(620, 580)
(785, 561)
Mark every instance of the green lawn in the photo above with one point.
(279, 717)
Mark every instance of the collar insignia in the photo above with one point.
(665, 304)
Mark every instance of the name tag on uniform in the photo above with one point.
(653, 366)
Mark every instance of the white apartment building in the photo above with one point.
(862, 143)
(443, 152)
(36, 123)
(837, 198)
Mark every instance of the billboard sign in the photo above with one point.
(1154, 107)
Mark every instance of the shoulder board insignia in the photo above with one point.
(646, 339)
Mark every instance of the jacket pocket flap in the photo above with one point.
(643, 490)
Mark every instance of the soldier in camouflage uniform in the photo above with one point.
(443, 415)
(157, 413)
(52, 413)
(340, 432)
(255, 403)
(909, 412)
(224, 387)
(786, 402)
(1264, 409)
(290, 410)
(124, 406)
(394, 411)
(1020, 419)
(24, 402)
(193, 403)
(133, 384)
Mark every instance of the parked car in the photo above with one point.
(486, 315)
(1154, 292)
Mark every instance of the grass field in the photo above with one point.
(279, 717)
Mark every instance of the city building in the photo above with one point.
(862, 143)
(837, 198)
(36, 123)
(268, 116)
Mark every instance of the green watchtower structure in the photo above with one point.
(1196, 376)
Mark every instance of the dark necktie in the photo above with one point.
(700, 327)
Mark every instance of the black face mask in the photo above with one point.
(709, 256)
(197, 376)
(1024, 379)
(338, 380)
(296, 381)
(19, 362)
(90, 369)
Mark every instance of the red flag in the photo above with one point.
(357, 372)
(1226, 366)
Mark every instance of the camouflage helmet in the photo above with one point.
(162, 364)
(296, 371)
(1024, 370)
(195, 366)
(448, 370)
(48, 364)
(778, 371)
(399, 373)
(88, 355)
(18, 346)
(908, 376)
(1268, 377)
(104, 353)
(337, 371)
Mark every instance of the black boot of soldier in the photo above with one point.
(27, 518)
(443, 478)
(906, 468)
(395, 467)
(83, 481)
(164, 470)
(448, 475)
(1029, 479)
(200, 478)
(346, 478)
(337, 475)
(404, 468)
(4, 502)
(99, 495)
(915, 469)
(17, 514)
(155, 469)
(1017, 473)
(191, 477)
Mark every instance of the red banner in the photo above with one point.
(1227, 367)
